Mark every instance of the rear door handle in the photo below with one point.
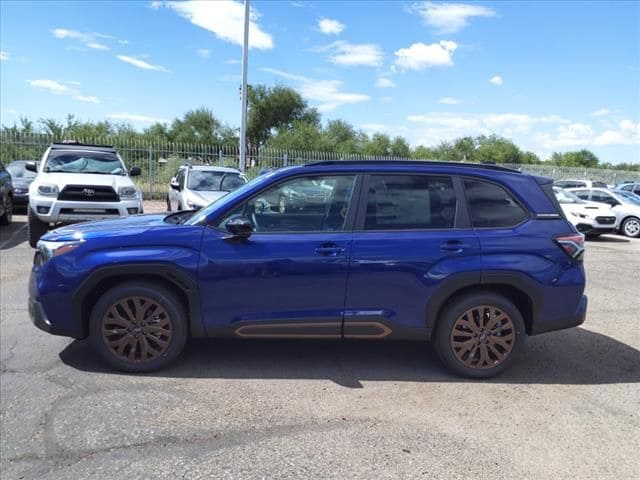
(329, 250)
(454, 246)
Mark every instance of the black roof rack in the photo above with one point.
(66, 145)
(488, 166)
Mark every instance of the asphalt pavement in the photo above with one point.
(569, 408)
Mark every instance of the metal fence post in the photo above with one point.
(220, 158)
(285, 160)
(150, 173)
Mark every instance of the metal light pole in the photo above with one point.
(243, 121)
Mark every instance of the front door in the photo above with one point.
(289, 278)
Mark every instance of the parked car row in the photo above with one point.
(596, 210)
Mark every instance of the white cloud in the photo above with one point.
(373, 127)
(136, 62)
(384, 82)
(582, 134)
(97, 46)
(350, 55)
(450, 17)
(420, 55)
(51, 85)
(497, 80)
(155, 5)
(87, 99)
(450, 101)
(89, 40)
(232, 61)
(4, 56)
(601, 112)
(132, 117)
(225, 18)
(204, 52)
(330, 27)
(325, 94)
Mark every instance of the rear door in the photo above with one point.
(412, 233)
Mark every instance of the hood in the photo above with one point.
(22, 182)
(84, 179)
(205, 197)
(133, 225)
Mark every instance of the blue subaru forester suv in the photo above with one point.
(470, 257)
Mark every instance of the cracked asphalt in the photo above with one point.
(569, 408)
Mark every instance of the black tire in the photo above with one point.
(168, 204)
(7, 216)
(631, 227)
(37, 228)
(451, 317)
(156, 294)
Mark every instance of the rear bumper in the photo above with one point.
(576, 318)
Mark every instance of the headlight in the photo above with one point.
(128, 192)
(20, 190)
(48, 190)
(49, 250)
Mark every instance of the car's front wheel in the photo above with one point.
(37, 228)
(631, 227)
(138, 327)
(478, 335)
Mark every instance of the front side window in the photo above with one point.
(603, 197)
(302, 204)
(491, 206)
(84, 162)
(408, 202)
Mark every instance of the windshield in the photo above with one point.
(229, 199)
(105, 163)
(627, 197)
(208, 180)
(18, 170)
(566, 197)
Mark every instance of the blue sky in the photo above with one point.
(552, 76)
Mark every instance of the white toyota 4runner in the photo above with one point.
(78, 182)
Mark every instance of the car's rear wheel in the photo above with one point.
(478, 335)
(37, 228)
(7, 216)
(631, 227)
(138, 327)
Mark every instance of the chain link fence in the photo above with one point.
(159, 161)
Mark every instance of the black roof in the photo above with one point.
(488, 166)
(82, 146)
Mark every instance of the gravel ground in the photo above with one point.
(569, 408)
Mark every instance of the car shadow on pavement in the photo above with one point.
(575, 356)
(13, 235)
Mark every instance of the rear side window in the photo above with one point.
(491, 206)
(408, 202)
(600, 184)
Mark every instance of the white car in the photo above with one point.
(571, 183)
(196, 186)
(590, 218)
(76, 183)
(625, 206)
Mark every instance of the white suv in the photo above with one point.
(196, 186)
(77, 182)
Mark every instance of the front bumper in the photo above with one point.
(20, 199)
(51, 210)
(589, 229)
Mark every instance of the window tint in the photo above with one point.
(402, 202)
(491, 206)
(180, 178)
(303, 204)
(599, 184)
(603, 197)
(583, 194)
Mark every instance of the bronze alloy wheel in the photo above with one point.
(137, 329)
(482, 337)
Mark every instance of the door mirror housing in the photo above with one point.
(239, 227)
(135, 171)
(174, 184)
(31, 166)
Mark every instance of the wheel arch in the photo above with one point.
(168, 276)
(516, 287)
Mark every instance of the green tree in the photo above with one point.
(379, 145)
(582, 158)
(400, 148)
(425, 153)
(497, 149)
(300, 136)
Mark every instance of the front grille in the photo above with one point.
(606, 220)
(88, 193)
(89, 211)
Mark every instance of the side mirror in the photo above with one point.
(240, 227)
(135, 171)
(31, 166)
(174, 184)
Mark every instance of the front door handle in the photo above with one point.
(454, 246)
(329, 250)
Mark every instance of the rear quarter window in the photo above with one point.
(491, 206)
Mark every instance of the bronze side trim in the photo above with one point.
(382, 330)
(272, 330)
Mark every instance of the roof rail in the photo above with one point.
(75, 143)
(488, 166)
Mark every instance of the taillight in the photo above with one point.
(572, 244)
